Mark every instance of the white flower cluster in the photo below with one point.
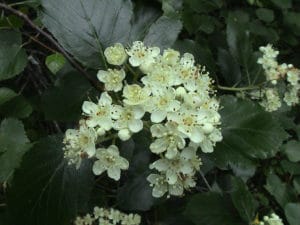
(102, 216)
(275, 72)
(273, 219)
(177, 97)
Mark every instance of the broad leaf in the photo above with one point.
(6, 94)
(292, 213)
(282, 192)
(86, 27)
(13, 145)
(248, 133)
(292, 150)
(243, 200)
(46, 190)
(163, 33)
(13, 58)
(266, 15)
(211, 209)
(17, 107)
(63, 102)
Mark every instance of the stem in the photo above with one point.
(54, 42)
(135, 75)
(21, 3)
(205, 181)
(238, 89)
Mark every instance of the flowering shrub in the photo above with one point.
(132, 112)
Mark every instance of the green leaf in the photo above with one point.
(292, 21)
(248, 133)
(17, 107)
(296, 183)
(211, 209)
(292, 213)
(163, 33)
(243, 200)
(55, 62)
(86, 27)
(13, 145)
(292, 150)
(266, 15)
(63, 102)
(283, 4)
(282, 192)
(13, 58)
(204, 6)
(290, 167)
(230, 68)
(6, 94)
(172, 8)
(46, 190)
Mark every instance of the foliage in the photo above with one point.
(50, 54)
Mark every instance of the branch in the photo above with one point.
(54, 42)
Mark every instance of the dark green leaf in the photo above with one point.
(86, 27)
(283, 4)
(55, 62)
(163, 33)
(6, 94)
(266, 15)
(243, 200)
(248, 133)
(45, 190)
(172, 8)
(17, 107)
(13, 145)
(63, 102)
(212, 209)
(296, 183)
(204, 6)
(13, 58)
(292, 213)
(292, 150)
(290, 167)
(283, 193)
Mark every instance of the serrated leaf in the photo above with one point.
(243, 200)
(6, 94)
(55, 62)
(45, 190)
(282, 192)
(13, 145)
(63, 102)
(292, 150)
(163, 33)
(211, 209)
(86, 27)
(248, 133)
(292, 213)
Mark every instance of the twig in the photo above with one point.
(205, 181)
(54, 42)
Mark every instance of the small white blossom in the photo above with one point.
(112, 79)
(116, 54)
(109, 160)
(272, 101)
(135, 94)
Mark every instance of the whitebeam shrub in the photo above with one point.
(177, 97)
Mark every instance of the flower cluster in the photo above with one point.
(273, 219)
(177, 100)
(110, 216)
(276, 73)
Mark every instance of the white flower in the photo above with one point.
(159, 184)
(115, 55)
(109, 160)
(78, 142)
(170, 57)
(129, 121)
(291, 97)
(169, 139)
(135, 94)
(112, 79)
(273, 219)
(293, 76)
(99, 114)
(271, 100)
(140, 54)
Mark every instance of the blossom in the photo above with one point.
(129, 121)
(273, 219)
(116, 54)
(109, 160)
(112, 79)
(135, 94)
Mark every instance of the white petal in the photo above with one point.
(90, 149)
(102, 75)
(105, 99)
(158, 116)
(114, 173)
(138, 112)
(89, 107)
(98, 168)
(134, 61)
(197, 135)
(124, 134)
(171, 177)
(206, 146)
(116, 111)
(135, 125)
